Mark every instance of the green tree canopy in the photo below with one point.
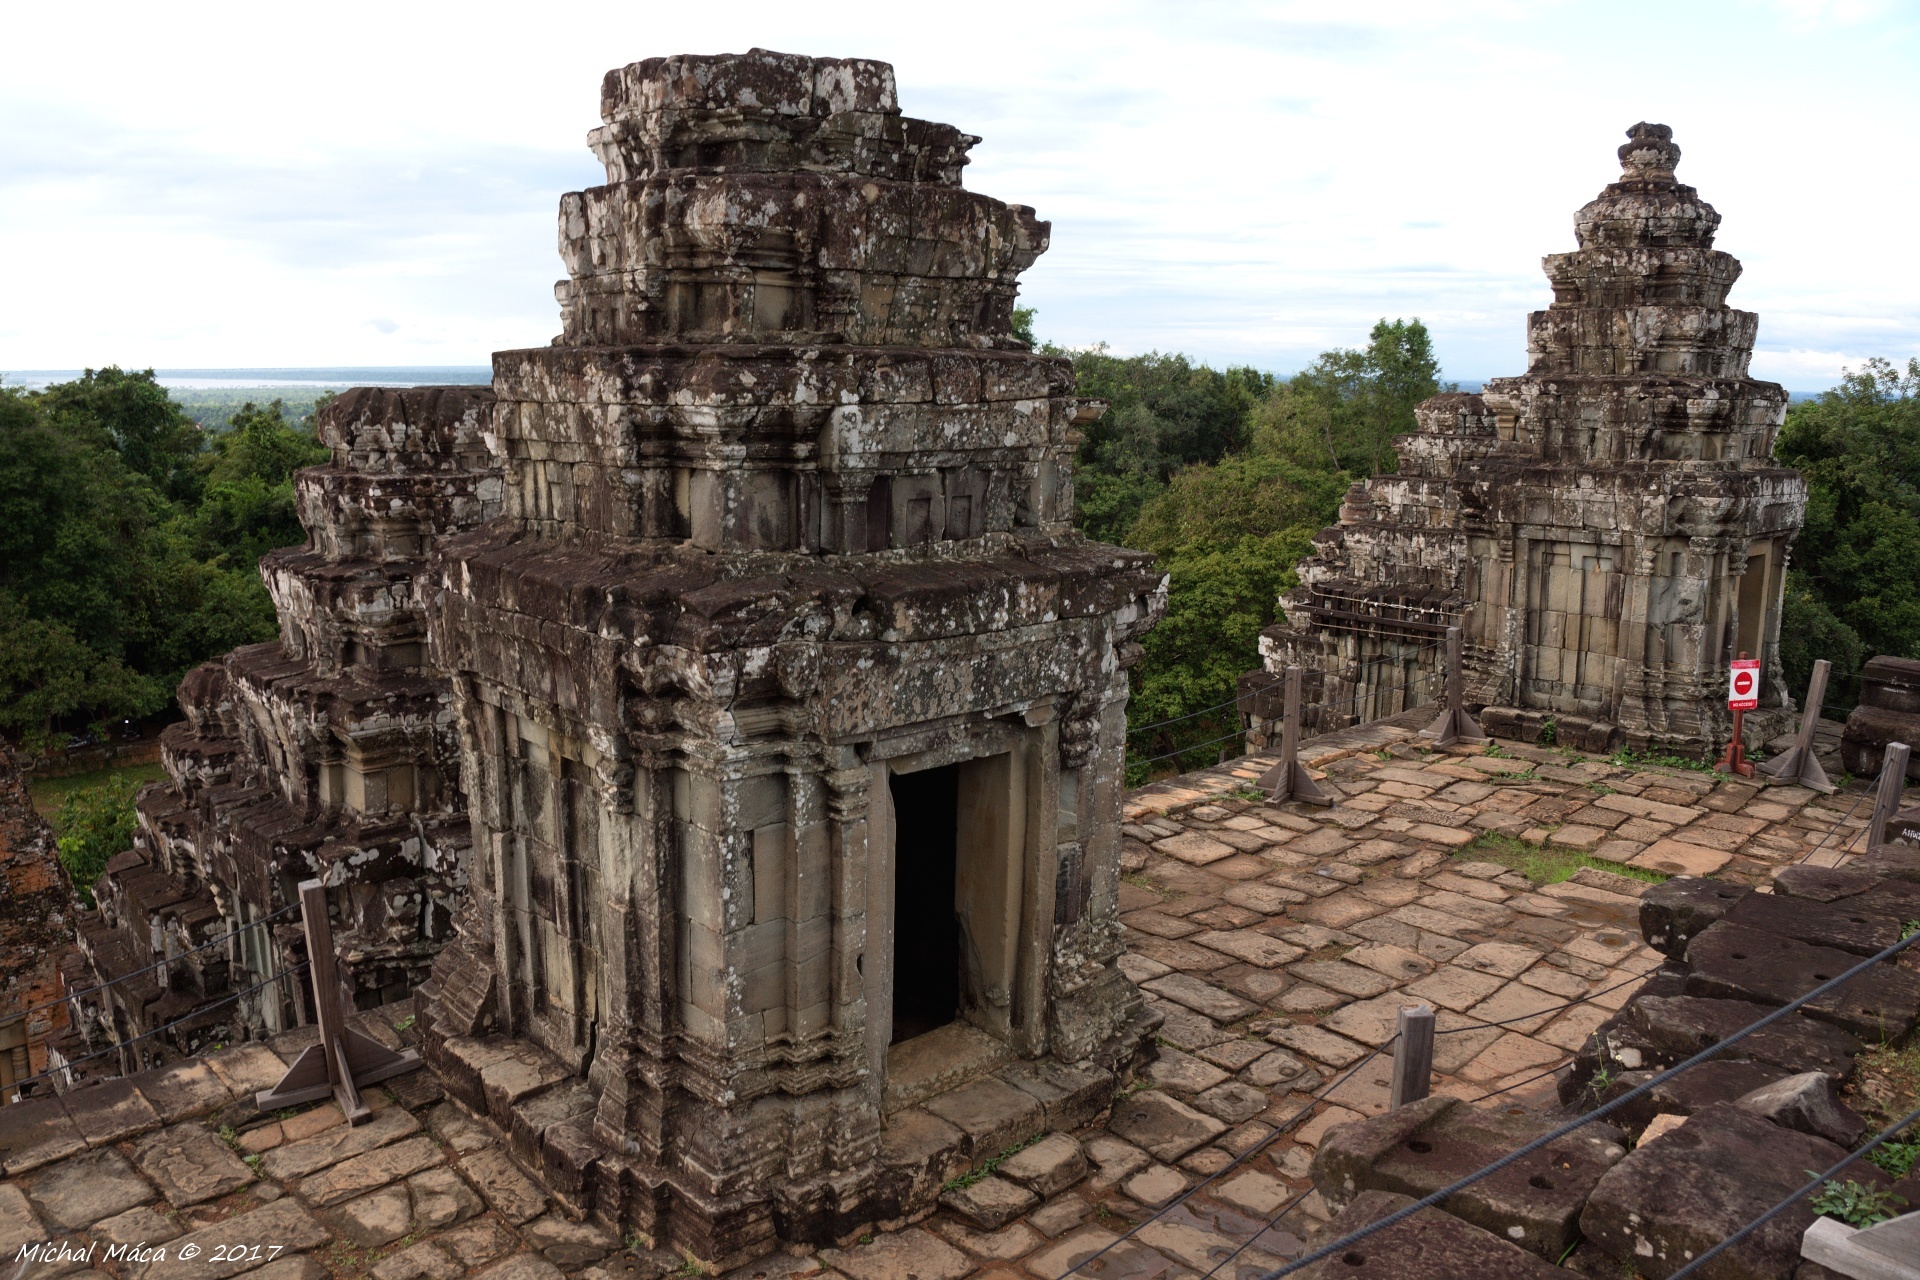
(133, 413)
(1854, 587)
(129, 547)
(1163, 413)
(1345, 409)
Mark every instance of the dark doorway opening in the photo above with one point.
(926, 925)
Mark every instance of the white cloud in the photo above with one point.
(1240, 181)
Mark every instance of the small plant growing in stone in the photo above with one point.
(1897, 1158)
(1856, 1205)
(404, 1023)
(1550, 731)
(1495, 750)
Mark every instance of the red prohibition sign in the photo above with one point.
(1743, 683)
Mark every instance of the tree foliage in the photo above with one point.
(129, 543)
(1854, 590)
(91, 825)
(1226, 475)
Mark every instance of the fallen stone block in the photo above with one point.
(1671, 913)
(1674, 1198)
(1696, 1089)
(1821, 884)
(1844, 925)
(1428, 1245)
(1734, 961)
(1808, 1103)
(1418, 1149)
(1678, 1027)
(1891, 862)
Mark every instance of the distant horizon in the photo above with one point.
(274, 377)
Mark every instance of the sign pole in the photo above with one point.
(1743, 694)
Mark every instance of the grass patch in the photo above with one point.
(47, 793)
(1541, 864)
(1626, 759)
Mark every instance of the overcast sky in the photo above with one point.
(198, 185)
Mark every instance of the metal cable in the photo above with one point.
(1239, 698)
(1289, 1205)
(1552, 1008)
(1855, 808)
(1237, 733)
(224, 1000)
(158, 964)
(1237, 1161)
(1561, 1131)
(1795, 1198)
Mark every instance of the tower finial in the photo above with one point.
(1650, 154)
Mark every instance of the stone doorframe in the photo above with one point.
(1012, 784)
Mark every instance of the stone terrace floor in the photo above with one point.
(1279, 942)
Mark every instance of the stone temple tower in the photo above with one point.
(1608, 530)
(792, 707)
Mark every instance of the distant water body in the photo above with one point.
(333, 377)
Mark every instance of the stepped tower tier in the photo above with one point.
(792, 709)
(1609, 529)
(330, 753)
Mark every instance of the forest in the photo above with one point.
(130, 532)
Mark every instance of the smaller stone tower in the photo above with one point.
(1609, 530)
(328, 753)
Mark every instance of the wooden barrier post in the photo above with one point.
(1886, 800)
(1413, 1055)
(1454, 724)
(344, 1060)
(1289, 779)
(1798, 765)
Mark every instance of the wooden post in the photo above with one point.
(1289, 779)
(1798, 764)
(344, 1060)
(1886, 800)
(1454, 724)
(1413, 1055)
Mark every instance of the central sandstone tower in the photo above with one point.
(792, 708)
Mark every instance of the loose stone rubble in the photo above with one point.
(330, 753)
(783, 656)
(1608, 530)
(1275, 943)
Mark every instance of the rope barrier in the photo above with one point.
(1843, 818)
(1608, 1108)
(144, 1035)
(1795, 1198)
(1237, 699)
(158, 964)
(1237, 733)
